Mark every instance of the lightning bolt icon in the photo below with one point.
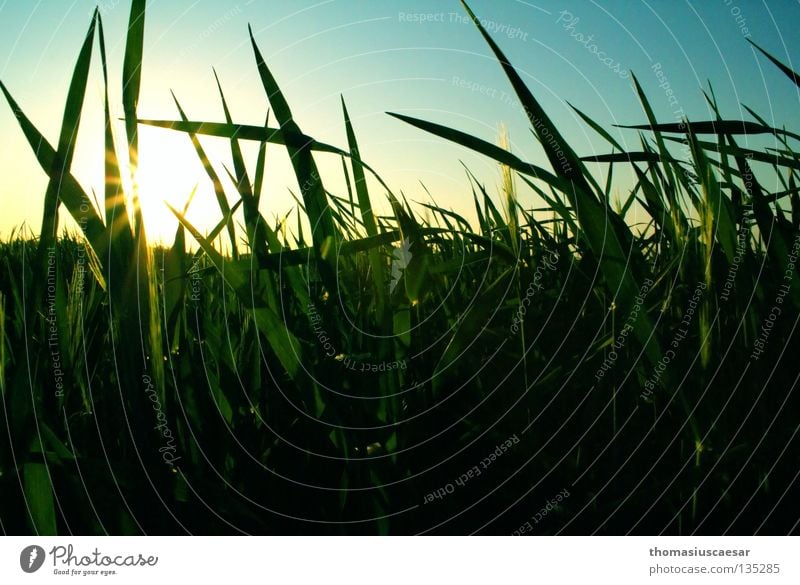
(34, 554)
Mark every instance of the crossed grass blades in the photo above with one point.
(151, 390)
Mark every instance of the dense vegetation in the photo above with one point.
(542, 371)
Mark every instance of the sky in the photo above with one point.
(420, 58)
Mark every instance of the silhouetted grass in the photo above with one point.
(332, 382)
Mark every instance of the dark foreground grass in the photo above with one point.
(394, 374)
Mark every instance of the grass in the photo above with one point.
(331, 382)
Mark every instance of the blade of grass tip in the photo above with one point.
(261, 164)
(724, 166)
(555, 204)
(301, 241)
(788, 72)
(223, 223)
(756, 155)
(138, 308)
(367, 217)
(119, 232)
(735, 127)
(66, 145)
(175, 267)
(244, 187)
(510, 192)
(716, 214)
(485, 148)
(138, 276)
(629, 201)
(219, 191)
(255, 228)
(597, 128)
(308, 177)
(131, 86)
(447, 213)
(364, 203)
(655, 205)
(117, 220)
(782, 137)
(671, 193)
(777, 244)
(561, 156)
(71, 194)
(482, 223)
(275, 136)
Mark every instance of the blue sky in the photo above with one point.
(415, 57)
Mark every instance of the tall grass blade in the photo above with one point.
(367, 217)
(261, 164)
(788, 72)
(219, 191)
(308, 177)
(66, 143)
(132, 81)
(71, 193)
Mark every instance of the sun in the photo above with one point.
(168, 171)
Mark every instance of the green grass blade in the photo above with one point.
(255, 227)
(364, 203)
(243, 180)
(39, 498)
(283, 343)
(605, 232)
(131, 87)
(71, 193)
(788, 72)
(367, 217)
(132, 75)
(669, 194)
(219, 191)
(631, 157)
(597, 128)
(261, 164)
(300, 152)
(485, 148)
(734, 127)
(117, 219)
(66, 142)
(749, 153)
(562, 158)
(276, 136)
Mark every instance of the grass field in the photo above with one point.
(542, 370)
